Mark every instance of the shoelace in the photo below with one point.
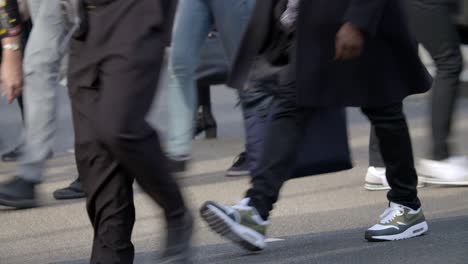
(390, 213)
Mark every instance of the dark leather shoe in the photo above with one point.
(16, 154)
(18, 193)
(12, 156)
(73, 191)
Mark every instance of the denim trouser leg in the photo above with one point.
(231, 23)
(231, 18)
(42, 67)
(256, 104)
(192, 24)
(194, 19)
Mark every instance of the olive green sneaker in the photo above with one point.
(240, 223)
(398, 222)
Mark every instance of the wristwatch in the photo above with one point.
(11, 46)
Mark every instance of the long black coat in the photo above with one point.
(388, 70)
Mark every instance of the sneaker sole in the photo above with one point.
(228, 228)
(22, 204)
(442, 182)
(69, 197)
(237, 173)
(414, 231)
(375, 187)
(379, 187)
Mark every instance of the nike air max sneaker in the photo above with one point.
(240, 223)
(398, 222)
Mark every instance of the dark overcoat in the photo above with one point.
(388, 70)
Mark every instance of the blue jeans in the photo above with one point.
(194, 20)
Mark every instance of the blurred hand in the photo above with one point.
(349, 42)
(11, 74)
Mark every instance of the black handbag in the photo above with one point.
(324, 147)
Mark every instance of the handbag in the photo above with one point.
(324, 146)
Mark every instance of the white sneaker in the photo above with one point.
(376, 180)
(451, 171)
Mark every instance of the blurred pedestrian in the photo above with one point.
(434, 28)
(44, 53)
(194, 20)
(114, 65)
(346, 53)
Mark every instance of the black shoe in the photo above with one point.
(16, 154)
(18, 193)
(73, 191)
(240, 167)
(178, 241)
(205, 122)
(178, 164)
(13, 155)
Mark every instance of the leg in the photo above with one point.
(256, 103)
(108, 189)
(245, 223)
(376, 179)
(375, 158)
(279, 152)
(392, 132)
(440, 38)
(192, 24)
(231, 19)
(204, 121)
(204, 96)
(42, 67)
(404, 217)
(121, 144)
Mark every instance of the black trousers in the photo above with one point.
(286, 130)
(433, 27)
(113, 75)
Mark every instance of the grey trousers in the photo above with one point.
(42, 62)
